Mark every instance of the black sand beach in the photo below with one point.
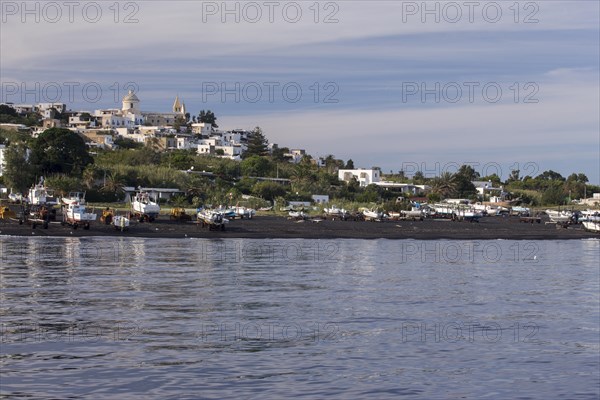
(267, 227)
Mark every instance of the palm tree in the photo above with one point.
(114, 183)
(90, 173)
(444, 185)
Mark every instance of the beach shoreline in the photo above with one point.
(274, 227)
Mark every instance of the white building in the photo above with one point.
(202, 128)
(2, 161)
(364, 176)
(404, 187)
(320, 198)
(484, 187)
(295, 155)
(60, 107)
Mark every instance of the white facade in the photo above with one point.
(320, 198)
(60, 107)
(295, 155)
(365, 177)
(202, 128)
(2, 161)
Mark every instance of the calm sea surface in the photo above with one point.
(186, 318)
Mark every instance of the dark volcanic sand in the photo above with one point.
(262, 227)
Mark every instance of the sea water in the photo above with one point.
(195, 318)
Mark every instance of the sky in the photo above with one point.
(401, 85)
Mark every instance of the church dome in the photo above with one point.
(130, 97)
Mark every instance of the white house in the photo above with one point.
(404, 187)
(320, 198)
(202, 128)
(295, 155)
(364, 176)
(484, 187)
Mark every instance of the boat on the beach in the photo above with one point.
(120, 222)
(592, 226)
(372, 215)
(414, 213)
(212, 218)
(589, 215)
(144, 207)
(297, 214)
(559, 216)
(16, 198)
(73, 198)
(243, 212)
(520, 211)
(41, 195)
(335, 212)
(75, 214)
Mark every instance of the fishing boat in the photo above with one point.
(559, 216)
(213, 219)
(75, 215)
(16, 198)
(74, 197)
(372, 215)
(592, 226)
(414, 213)
(297, 215)
(589, 215)
(244, 212)
(40, 195)
(144, 207)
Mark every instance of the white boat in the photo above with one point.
(244, 212)
(468, 214)
(415, 213)
(590, 215)
(75, 214)
(522, 211)
(74, 197)
(371, 215)
(592, 226)
(40, 195)
(559, 216)
(297, 214)
(334, 211)
(120, 222)
(444, 210)
(213, 219)
(16, 198)
(144, 207)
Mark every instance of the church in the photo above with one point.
(130, 115)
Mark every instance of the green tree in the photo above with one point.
(419, 178)
(208, 117)
(19, 174)
(468, 173)
(114, 183)
(268, 190)
(349, 164)
(278, 154)
(550, 176)
(444, 185)
(63, 184)
(514, 176)
(59, 150)
(8, 110)
(89, 176)
(257, 144)
(256, 166)
(553, 195)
